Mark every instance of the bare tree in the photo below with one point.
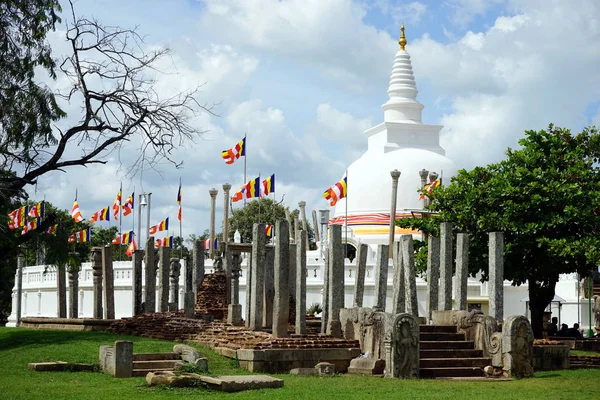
(112, 72)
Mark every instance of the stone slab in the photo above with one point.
(283, 360)
(57, 366)
(242, 382)
(303, 371)
(68, 324)
(366, 366)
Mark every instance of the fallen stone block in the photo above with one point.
(325, 369)
(303, 371)
(170, 379)
(188, 353)
(366, 366)
(58, 366)
(242, 382)
(202, 363)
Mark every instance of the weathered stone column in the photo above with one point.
(136, 282)
(408, 256)
(293, 279)
(445, 266)
(288, 218)
(20, 263)
(258, 276)
(316, 226)
(234, 312)
(269, 291)
(213, 198)
(325, 306)
(301, 282)
(198, 267)
(175, 271)
(296, 229)
(249, 289)
(61, 291)
(226, 189)
(433, 275)
(361, 269)
(395, 175)
(381, 274)
(73, 293)
(281, 306)
(399, 297)
(496, 275)
(189, 300)
(423, 174)
(302, 206)
(109, 282)
(336, 281)
(164, 253)
(150, 259)
(97, 271)
(462, 271)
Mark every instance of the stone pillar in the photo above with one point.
(381, 273)
(198, 267)
(433, 275)
(258, 276)
(296, 229)
(150, 264)
(462, 271)
(496, 275)
(269, 291)
(226, 189)
(293, 262)
(288, 218)
(189, 300)
(234, 314)
(395, 175)
(249, 289)
(73, 292)
(61, 291)
(316, 226)
(300, 279)
(408, 256)
(109, 282)
(302, 206)
(123, 359)
(164, 253)
(20, 263)
(399, 297)
(445, 266)
(361, 269)
(423, 175)
(136, 282)
(213, 198)
(175, 271)
(336, 281)
(97, 271)
(325, 312)
(281, 306)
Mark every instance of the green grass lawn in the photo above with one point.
(18, 347)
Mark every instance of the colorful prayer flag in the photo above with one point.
(179, 202)
(117, 205)
(269, 230)
(162, 226)
(429, 187)
(82, 236)
(239, 195)
(102, 215)
(337, 191)
(124, 238)
(235, 152)
(132, 247)
(30, 225)
(37, 211)
(268, 186)
(52, 230)
(128, 205)
(75, 212)
(207, 244)
(164, 242)
(252, 188)
(17, 217)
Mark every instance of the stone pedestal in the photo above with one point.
(136, 282)
(433, 275)
(496, 275)
(198, 265)
(61, 291)
(381, 274)
(175, 271)
(336, 281)
(73, 293)
(97, 272)
(462, 271)
(164, 254)
(258, 276)
(445, 266)
(150, 261)
(408, 259)
(281, 306)
(361, 269)
(399, 297)
(109, 282)
(300, 279)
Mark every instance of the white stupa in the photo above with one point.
(400, 142)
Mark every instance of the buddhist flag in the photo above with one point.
(252, 188)
(17, 217)
(206, 243)
(52, 230)
(337, 191)
(102, 215)
(30, 225)
(82, 236)
(164, 242)
(429, 187)
(132, 247)
(179, 202)
(162, 226)
(128, 205)
(235, 152)
(117, 205)
(239, 195)
(75, 211)
(268, 185)
(269, 230)
(37, 211)
(125, 238)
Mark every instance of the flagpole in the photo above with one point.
(346, 219)
(245, 157)
(120, 220)
(259, 198)
(181, 220)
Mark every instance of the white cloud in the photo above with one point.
(464, 11)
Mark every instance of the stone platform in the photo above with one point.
(67, 324)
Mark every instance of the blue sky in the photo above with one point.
(305, 78)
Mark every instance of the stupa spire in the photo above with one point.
(402, 42)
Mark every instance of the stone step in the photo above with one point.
(450, 353)
(454, 362)
(156, 356)
(448, 344)
(143, 372)
(441, 336)
(156, 365)
(451, 372)
(437, 328)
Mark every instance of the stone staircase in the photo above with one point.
(155, 362)
(444, 353)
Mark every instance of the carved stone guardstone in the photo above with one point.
(402, 347)
(517, 347)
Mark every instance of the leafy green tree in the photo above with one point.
(545, 197)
